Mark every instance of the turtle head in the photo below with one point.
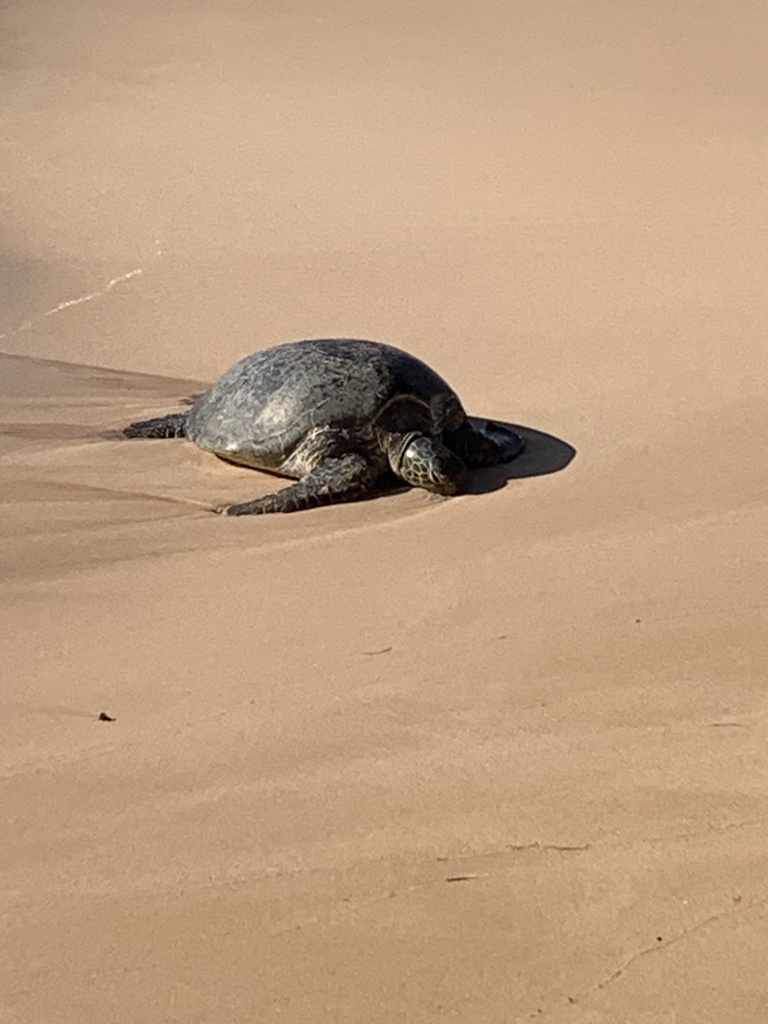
(426, 462)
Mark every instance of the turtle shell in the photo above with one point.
(264, 406)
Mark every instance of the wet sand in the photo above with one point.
(493, 759)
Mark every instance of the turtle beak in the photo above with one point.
(449, 475)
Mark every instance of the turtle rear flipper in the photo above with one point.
(335, 480)
(172, 425)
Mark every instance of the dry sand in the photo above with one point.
(490, 760)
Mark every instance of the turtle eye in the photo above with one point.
(437, 471)
(444, 467)
(447, 474)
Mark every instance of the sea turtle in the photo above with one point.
(336, 414)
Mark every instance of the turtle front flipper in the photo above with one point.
(333, 481)
(491, 445)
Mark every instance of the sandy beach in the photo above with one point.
(487, 760)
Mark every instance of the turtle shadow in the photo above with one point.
(544, 454)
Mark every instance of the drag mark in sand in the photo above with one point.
(738, 907)
(88, 297)
(94, 295)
